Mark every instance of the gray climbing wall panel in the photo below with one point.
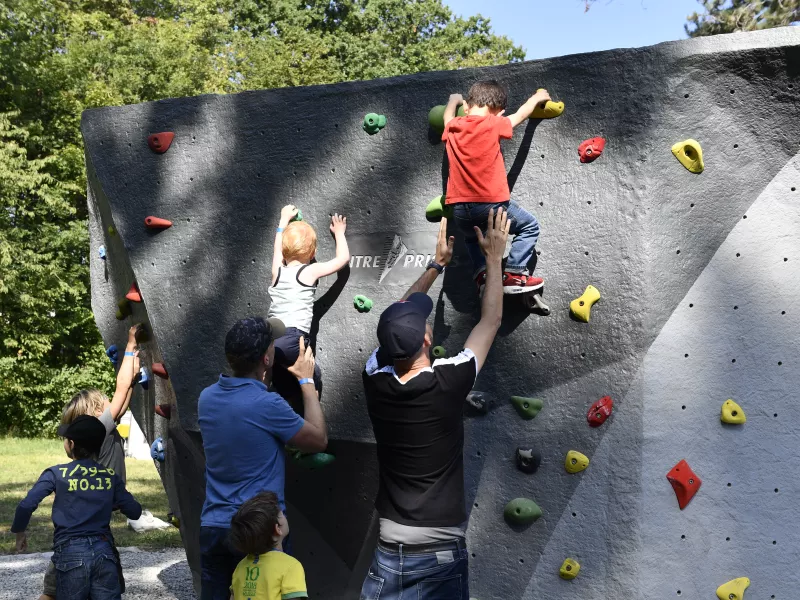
(651, 236)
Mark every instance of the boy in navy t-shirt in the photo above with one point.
(86, 493)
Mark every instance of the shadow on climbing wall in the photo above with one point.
(634, 223)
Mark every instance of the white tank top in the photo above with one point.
(292, 301)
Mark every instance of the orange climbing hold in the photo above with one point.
(684, 482)
(160, 142)
(163, 410)
(160, 370)
(591, 149)
(157, 223)
(133, 294)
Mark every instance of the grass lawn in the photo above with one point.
(21, 463)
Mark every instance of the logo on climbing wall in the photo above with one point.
(390, 258)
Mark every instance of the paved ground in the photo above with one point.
(161, 574)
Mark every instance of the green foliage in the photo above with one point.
(60, 57)
(727, 16)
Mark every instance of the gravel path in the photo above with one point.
(149, 575)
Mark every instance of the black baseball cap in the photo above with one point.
(86, 431)
(401, 328)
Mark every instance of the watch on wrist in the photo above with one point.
(434, 265)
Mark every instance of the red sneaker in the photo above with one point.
(516, 283)
(480, 281)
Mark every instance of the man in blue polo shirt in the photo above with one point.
(245, 428)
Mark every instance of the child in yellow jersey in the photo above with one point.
(266, 573)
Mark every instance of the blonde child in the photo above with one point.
(294, 284)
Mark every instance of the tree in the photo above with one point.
(60, 57)
(727, 16)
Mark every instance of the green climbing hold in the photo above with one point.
(362, 303)
(373, 123)
(111, 230)
(314, 461)
(298, 216)
(437, 209)
(527, 407)
(436, 117)
(123, 309)
(522, 511)
(439, 352)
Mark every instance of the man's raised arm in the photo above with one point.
(444, 252)
(493, 246)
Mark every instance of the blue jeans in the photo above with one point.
(287, 349)
(524, 228)
(218, 561)
(433, 572)
(87, 567)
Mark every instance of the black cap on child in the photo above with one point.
(86, 431)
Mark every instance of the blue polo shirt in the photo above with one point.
(244, 428)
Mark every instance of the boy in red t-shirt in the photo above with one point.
(477, 181)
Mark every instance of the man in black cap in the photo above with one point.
(245, 428)
(416, 408)
(86, 494)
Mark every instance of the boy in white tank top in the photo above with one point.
(294, 283)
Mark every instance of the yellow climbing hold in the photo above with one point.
(732, 413)
(569, 569)
(581, 306)
(734, 589)
(550, 110)
(690, 154)
(575, 462)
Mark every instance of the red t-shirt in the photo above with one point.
(477, 171)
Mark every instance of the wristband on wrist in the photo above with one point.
(280, 229)
(130, 354)
(434, 265)
(306, 380)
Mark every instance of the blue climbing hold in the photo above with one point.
(113, 354)
(101, 251)
(157, 450)
(144, 378)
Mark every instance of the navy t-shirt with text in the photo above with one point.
(86, 494)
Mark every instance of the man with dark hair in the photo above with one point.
(416, 408)
(258, 529)
(86, 493)
(245, 428)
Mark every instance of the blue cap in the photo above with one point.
(401, 328)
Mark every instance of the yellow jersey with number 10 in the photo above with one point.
(270, 576)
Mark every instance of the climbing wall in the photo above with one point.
(696, 271)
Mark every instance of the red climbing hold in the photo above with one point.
(684, 482)
(160, 370)
(600, 411)
(163, 410)
(591, 149)
(157, 223)
(160, 142)
(133, 294)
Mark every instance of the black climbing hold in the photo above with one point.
(528, 460)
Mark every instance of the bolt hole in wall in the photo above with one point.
(736, 145)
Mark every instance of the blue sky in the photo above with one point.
(548, 28)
